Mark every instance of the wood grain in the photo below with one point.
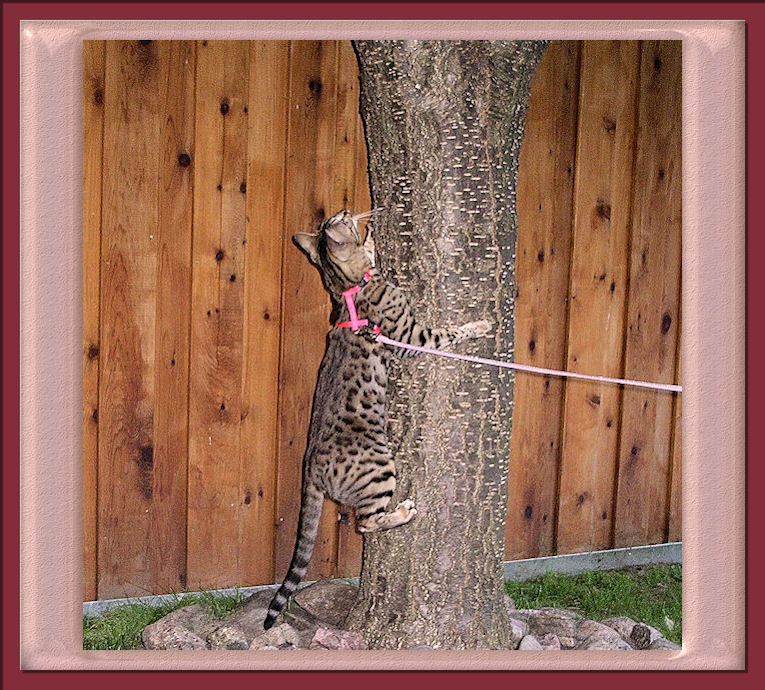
(306, 307)
(132, 124)
(167, 534)
(602, 213)
(653, 301)
(93, 62)
(675, 502)
(269, 74)
(346, 119)
(545, 194)
(217, 497)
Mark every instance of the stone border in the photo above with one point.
(316, 620)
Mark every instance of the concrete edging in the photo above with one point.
(526, 569)
(611, 559)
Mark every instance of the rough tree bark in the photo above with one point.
(444, 125)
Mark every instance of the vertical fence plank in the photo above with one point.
(167, 535)
(269, 74)
(545, 193)
(345, 118)
(653, 301)
(352, 149)
(313, 73)
(609, 74)
(674, 528)
(128, 291)
(216, 492)
(93, 55)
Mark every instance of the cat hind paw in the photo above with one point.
(406, 510)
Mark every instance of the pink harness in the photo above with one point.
(355, 322)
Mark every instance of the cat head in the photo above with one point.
(338, 251)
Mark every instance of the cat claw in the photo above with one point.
(406, 509)
(479, 328)
(367, 333)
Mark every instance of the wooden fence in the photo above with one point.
(203, 326)
(599, 202)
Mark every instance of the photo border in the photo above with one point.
(50, 323)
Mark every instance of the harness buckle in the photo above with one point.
(355, 323)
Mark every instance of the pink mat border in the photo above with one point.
(713, 323)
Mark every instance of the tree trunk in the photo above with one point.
(444, 125)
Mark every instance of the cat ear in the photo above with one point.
(308, 242)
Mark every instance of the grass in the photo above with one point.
(121, 627)
(651, 595)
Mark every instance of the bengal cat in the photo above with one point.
(347, 457)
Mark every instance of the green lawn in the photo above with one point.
(651, 595)
(121, 627)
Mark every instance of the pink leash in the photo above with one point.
(525, 367)
(355, 323)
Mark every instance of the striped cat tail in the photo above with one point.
(308, 526)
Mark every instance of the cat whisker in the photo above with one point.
(367, 214)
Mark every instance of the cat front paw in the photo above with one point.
(368, 333)
(369, 244)
(476, 329)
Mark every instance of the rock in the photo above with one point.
(509, 602)
(529, 642)
(640, 637)
(298, 618)
(172, 638)
(549, 642)
(655, 634)
(326, 638)
(518, 629)
(558, 622)
(622, 625)
(637, 635)
(282, 636)
(228, 637)
(184, 628)
(594, 635)
(521, 614)
(663, 643)
(327, 601)
(249, 615)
